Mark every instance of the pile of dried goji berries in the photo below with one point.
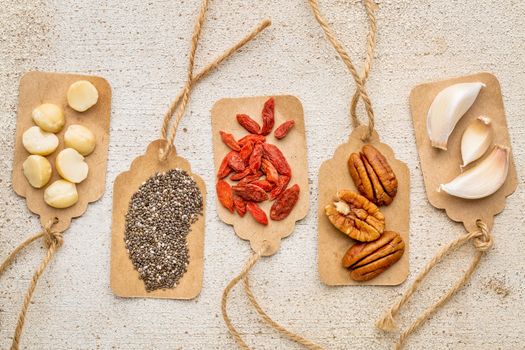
(259, 168)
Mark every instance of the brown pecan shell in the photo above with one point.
(356, 216)
(367, 260)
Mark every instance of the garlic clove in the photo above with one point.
(61, 194)
(71, 165)
(37, 170)
(80, 138)
(38, 141)
(448, 107)
(49, 117)
(483, 179)
(476, 140)
(82, 95)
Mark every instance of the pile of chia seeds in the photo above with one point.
(159, 218)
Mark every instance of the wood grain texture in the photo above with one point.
(141, 48)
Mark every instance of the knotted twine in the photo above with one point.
(179, 104)
(481, 239)
(52, 241)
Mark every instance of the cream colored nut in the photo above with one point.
(37, 170)
(82, 95)
(61, 194)
(71, 165)
(38, 141)
(49, 117)
(80, 138)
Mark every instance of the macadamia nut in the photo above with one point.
(38, 141)
(61, 194)
(37, 170)
(82, 95)
(80, 138)
(49, 117)
(71, 165)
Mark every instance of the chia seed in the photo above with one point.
(159, 218)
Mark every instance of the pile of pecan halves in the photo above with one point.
(260, 169)
(358, 216)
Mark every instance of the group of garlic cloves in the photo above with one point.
(484, 177)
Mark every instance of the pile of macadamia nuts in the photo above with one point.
(40, 141)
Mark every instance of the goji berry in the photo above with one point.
(282, 207)
(248, 123)
(274, 155)
(283, 129)
(251, 138)
(271, 173)
(229, 141)
(250, 192)
(241, 175)
(235, 162)
(250, 178)
(256, 158)
(266, 185)
(268, 116)
(240, 205)
(246, 152)
(225, 195)
(281, 186)
(224, 168)
(257, 213)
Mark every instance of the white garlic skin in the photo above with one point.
(483, 179)
(71, 166)
(449, 105)
(49, 117)
(82, 95)
(80, 138)
(38, 141)
(37, 170)
(61, 194)
(476, 140)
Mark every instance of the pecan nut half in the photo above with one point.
(367, 260)
(356, 216)
(372, 175)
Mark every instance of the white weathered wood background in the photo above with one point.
(141, 48)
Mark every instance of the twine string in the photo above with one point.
(53, 240)
(243, 275)
(482, 241)
(360, 80)
(179, 104)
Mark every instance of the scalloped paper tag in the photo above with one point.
(125, 281)
(442, 166)
(42, 87)
(293, 147)
(332, 243)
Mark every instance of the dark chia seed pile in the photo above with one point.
(159, 218)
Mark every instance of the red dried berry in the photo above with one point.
(271, 173)
(229, 141)
(281, 186)
(256, 158)
(283, 129)
(248, 123)
(241, 175)
(240, 205)
(283, 206)
(250, 192)
(246, 152)
(235, 162)
(266, 185)
(268, 116)
(250, 178)
(224, 168)
(225, 195)
(257, 213)
(274, 155)
(251, 138)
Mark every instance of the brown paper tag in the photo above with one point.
(332, 244)
(293, 147)
(442, 166)
(125, 281)
(40, 87)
